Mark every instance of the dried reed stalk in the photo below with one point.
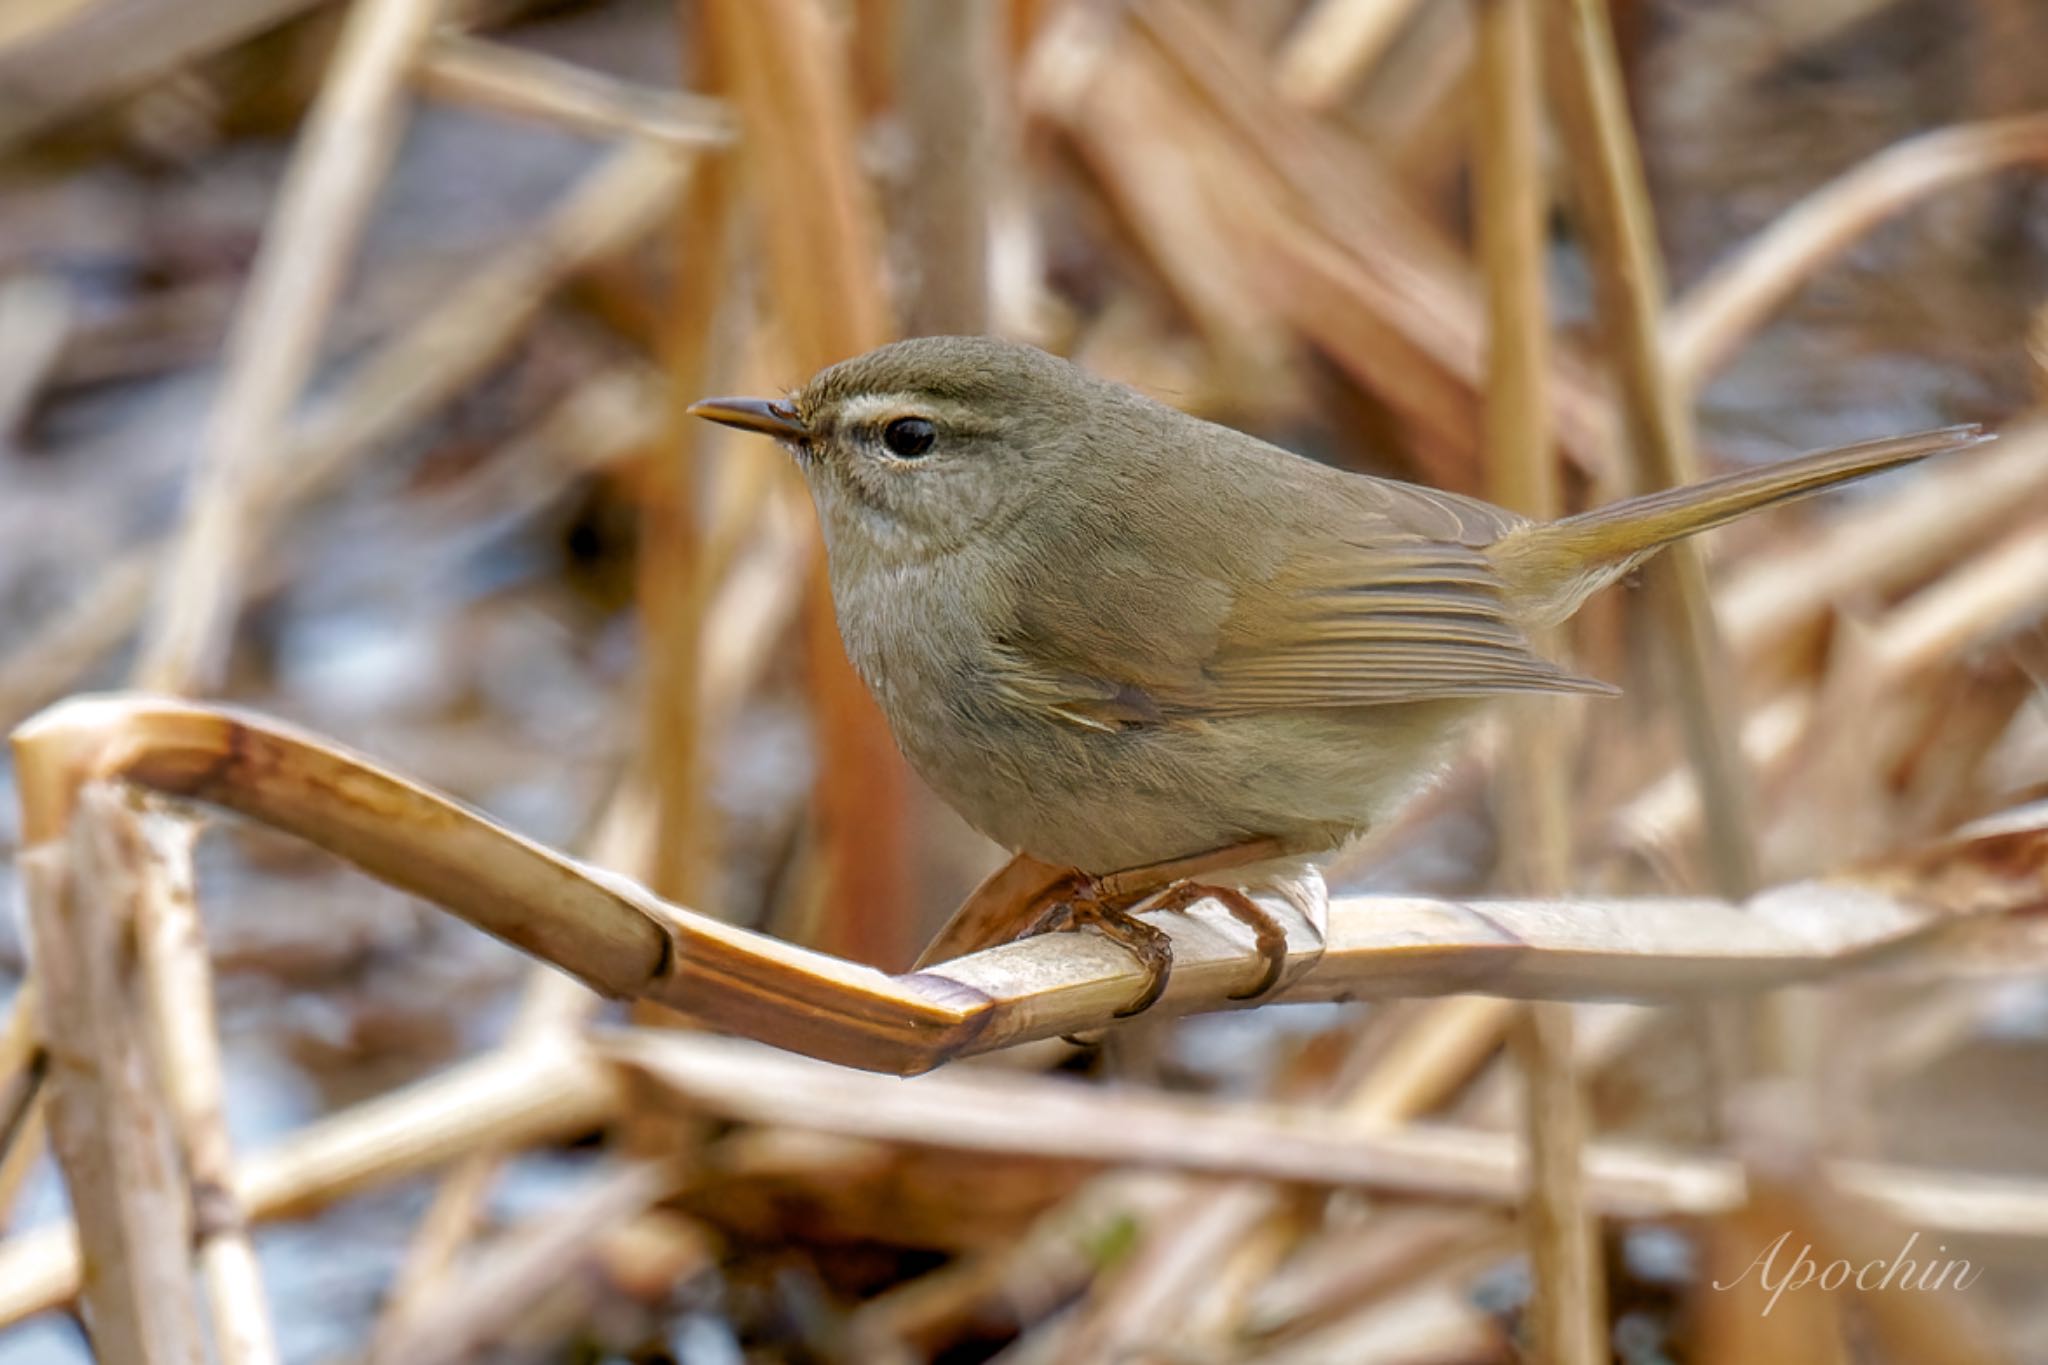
(983, 1109)
(1980, 604)
(464, 1321)
(1417, 287)
(520, 1096)
(179, 997)
(509, 1099)
(821, 248)
(530, 85)
(1629, 274)
(673, 579)
(1706, 326)
(1342, 1271)
(554, 1007)
(111, 1124)
(1209, 1226)
(57, 63)
(626, 942)
(398, 385)
(1568, 1321)
(1887, 543)
(1334, 45)
(946, 88)
(23, 1061)
(350, 137)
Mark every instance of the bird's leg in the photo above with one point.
(1157, 876)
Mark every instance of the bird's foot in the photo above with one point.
(1081, 902)
(1269, 934)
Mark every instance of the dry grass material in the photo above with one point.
(110, 1120)
(413, 374)
(822, 251)
(1711, 321)
(1622, 246)
(492, 76)
(178, 983)
(350, 137)
(510, 1099)
(1569, 1301)
(447, 445)
(1334, 44)
(60, 56)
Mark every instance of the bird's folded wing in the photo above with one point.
(1397, 620)
(1400, 619)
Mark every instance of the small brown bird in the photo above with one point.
(1114, 636)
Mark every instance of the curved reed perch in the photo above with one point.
(624, 941)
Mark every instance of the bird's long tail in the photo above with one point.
(1552, 567)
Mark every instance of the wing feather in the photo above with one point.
(1397, 604)
(1396, 619)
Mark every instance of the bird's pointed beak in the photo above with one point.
(770, 418)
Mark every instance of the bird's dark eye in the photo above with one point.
(909, 437)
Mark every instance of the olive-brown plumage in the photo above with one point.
(1111, 634)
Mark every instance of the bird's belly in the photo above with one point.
(1100, 800)
(1103, 801)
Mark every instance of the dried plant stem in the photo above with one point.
(179, 981)
(495, 76)
(946, 75)
(1348, 237)
(405, 379)
(674, 583)
(351, 135)
(509, 1099)
(615, 204)
(1569, 1314)
(1977, 605)
(1706, 326)
(23, 1060)
(1334, 45)
(95, 51)
(1210, 1227)
(414, 371)
(520, 1096)
(821, 247)
(25, 1139)
(1622, 245)
(110, 1122)
(986, 1110)
(35, 318)
(554, 1006)
(624, 941)
(461, 1325)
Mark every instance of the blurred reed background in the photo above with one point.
(343, 352)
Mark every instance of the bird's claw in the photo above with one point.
(1081, 903)
(1269, 935)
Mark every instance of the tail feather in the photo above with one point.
(1554, 566)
